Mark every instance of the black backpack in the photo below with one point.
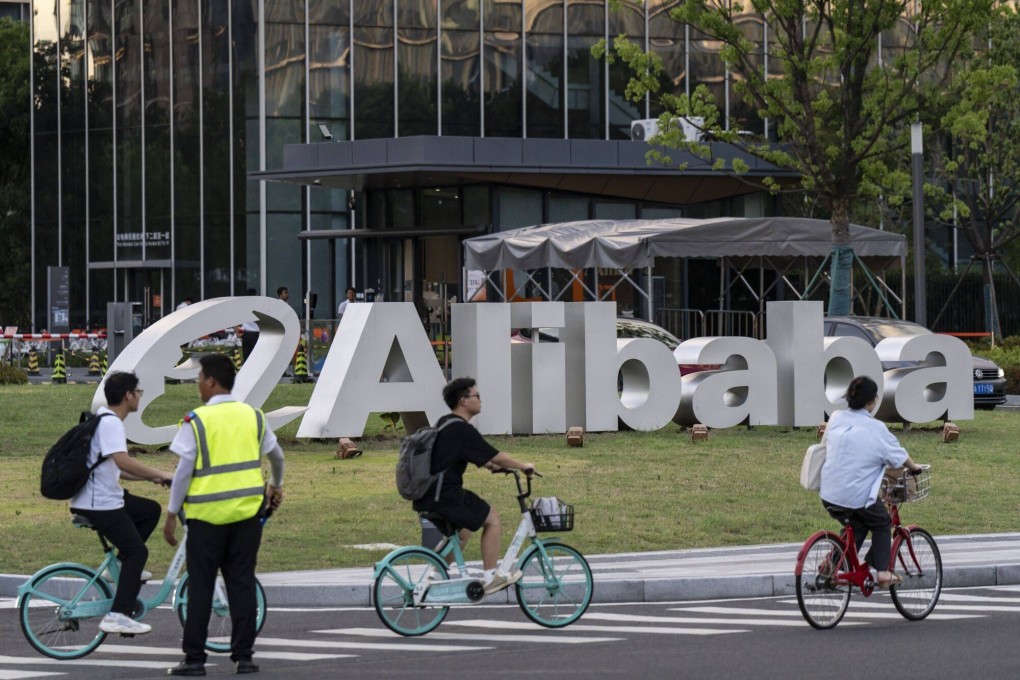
(414, 463)
(65, 469)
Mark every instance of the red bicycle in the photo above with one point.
(828, 567)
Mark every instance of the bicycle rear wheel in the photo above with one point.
(821, 599)
(393, 592)
(47, 612)
(554, 592)
(921, 572)
(220, 622)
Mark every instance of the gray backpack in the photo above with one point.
(414, 463)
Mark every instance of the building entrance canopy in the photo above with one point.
(780, 244)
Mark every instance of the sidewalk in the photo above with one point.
(749, 571)
(752, 571)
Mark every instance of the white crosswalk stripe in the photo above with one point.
(339, 644)
(741, 621)
(891, 614)
(584, 628)
(24, 675)
(550, 637)
(176, 651)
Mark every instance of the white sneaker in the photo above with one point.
(500, 581)
(118, 623)
(146, 574)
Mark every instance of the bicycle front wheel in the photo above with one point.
(393, 592)
(821, 598)
(221, 625)
(555, 589)
(919, 564)
(53, 612)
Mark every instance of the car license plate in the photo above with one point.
(983, 388)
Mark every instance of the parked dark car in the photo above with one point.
(625, 328)
(989, 381)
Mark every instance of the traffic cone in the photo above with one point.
(94, 364)
(33, 362)
(59, 371)
(238, 359)
(301, 365)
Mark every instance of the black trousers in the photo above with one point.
(232, 549)
(128, 528)
(874, 518)
(248, 340)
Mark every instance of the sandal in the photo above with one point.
(893, 580)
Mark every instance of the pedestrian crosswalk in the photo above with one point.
(358, 635)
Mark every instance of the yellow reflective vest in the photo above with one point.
(227, 484)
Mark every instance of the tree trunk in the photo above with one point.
(842, 261)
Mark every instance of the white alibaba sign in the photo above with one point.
(381, 360)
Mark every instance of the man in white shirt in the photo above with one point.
(351, 298)
(125, 520)
(184, 303)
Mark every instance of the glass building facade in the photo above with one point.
(149, 117)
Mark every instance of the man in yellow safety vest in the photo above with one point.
(219, 484)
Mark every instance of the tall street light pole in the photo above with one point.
(917, 163)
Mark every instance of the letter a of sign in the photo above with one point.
(154, 355)
(381, 360)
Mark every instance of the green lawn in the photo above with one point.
(633, 491)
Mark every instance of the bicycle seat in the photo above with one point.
(445, 526)
(82, 522)
(840, 514)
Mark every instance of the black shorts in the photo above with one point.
(468, 513)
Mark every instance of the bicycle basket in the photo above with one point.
(899, 485)
(550, 514)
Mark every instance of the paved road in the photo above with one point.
(971, 632)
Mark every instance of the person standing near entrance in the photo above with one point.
(249, 332)
(283, 294)
(350, 299)
(219, 484)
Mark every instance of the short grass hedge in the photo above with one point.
(633, 491)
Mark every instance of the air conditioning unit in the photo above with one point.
(643, 130)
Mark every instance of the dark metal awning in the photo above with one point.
(611, 168)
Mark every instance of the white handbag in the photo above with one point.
(811, 468)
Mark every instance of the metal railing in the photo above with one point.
(683, 323)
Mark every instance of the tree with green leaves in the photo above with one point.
(15, 174)
(977, 167)
(839, 101)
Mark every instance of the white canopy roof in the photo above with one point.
(628, 244)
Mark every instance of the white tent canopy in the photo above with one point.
(633, 244)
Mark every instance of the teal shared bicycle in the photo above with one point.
(414, 588)
(61, 605)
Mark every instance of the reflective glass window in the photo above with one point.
(743, 112)
(186, 145)
(217, 174)
(477, 207)
(566, 208)
(628, 20)
(373, 70)
(441, 207)
(417, 80)
(460, 75)
(329, 55)
(544, 39)
(667, 39)
(158, 157)
(586, 75)
(519, 207)
(128, 76)
(502, 51)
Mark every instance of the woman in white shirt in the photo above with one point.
(858, 449)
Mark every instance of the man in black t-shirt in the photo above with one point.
(456, 446)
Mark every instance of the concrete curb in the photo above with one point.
(607, 590)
